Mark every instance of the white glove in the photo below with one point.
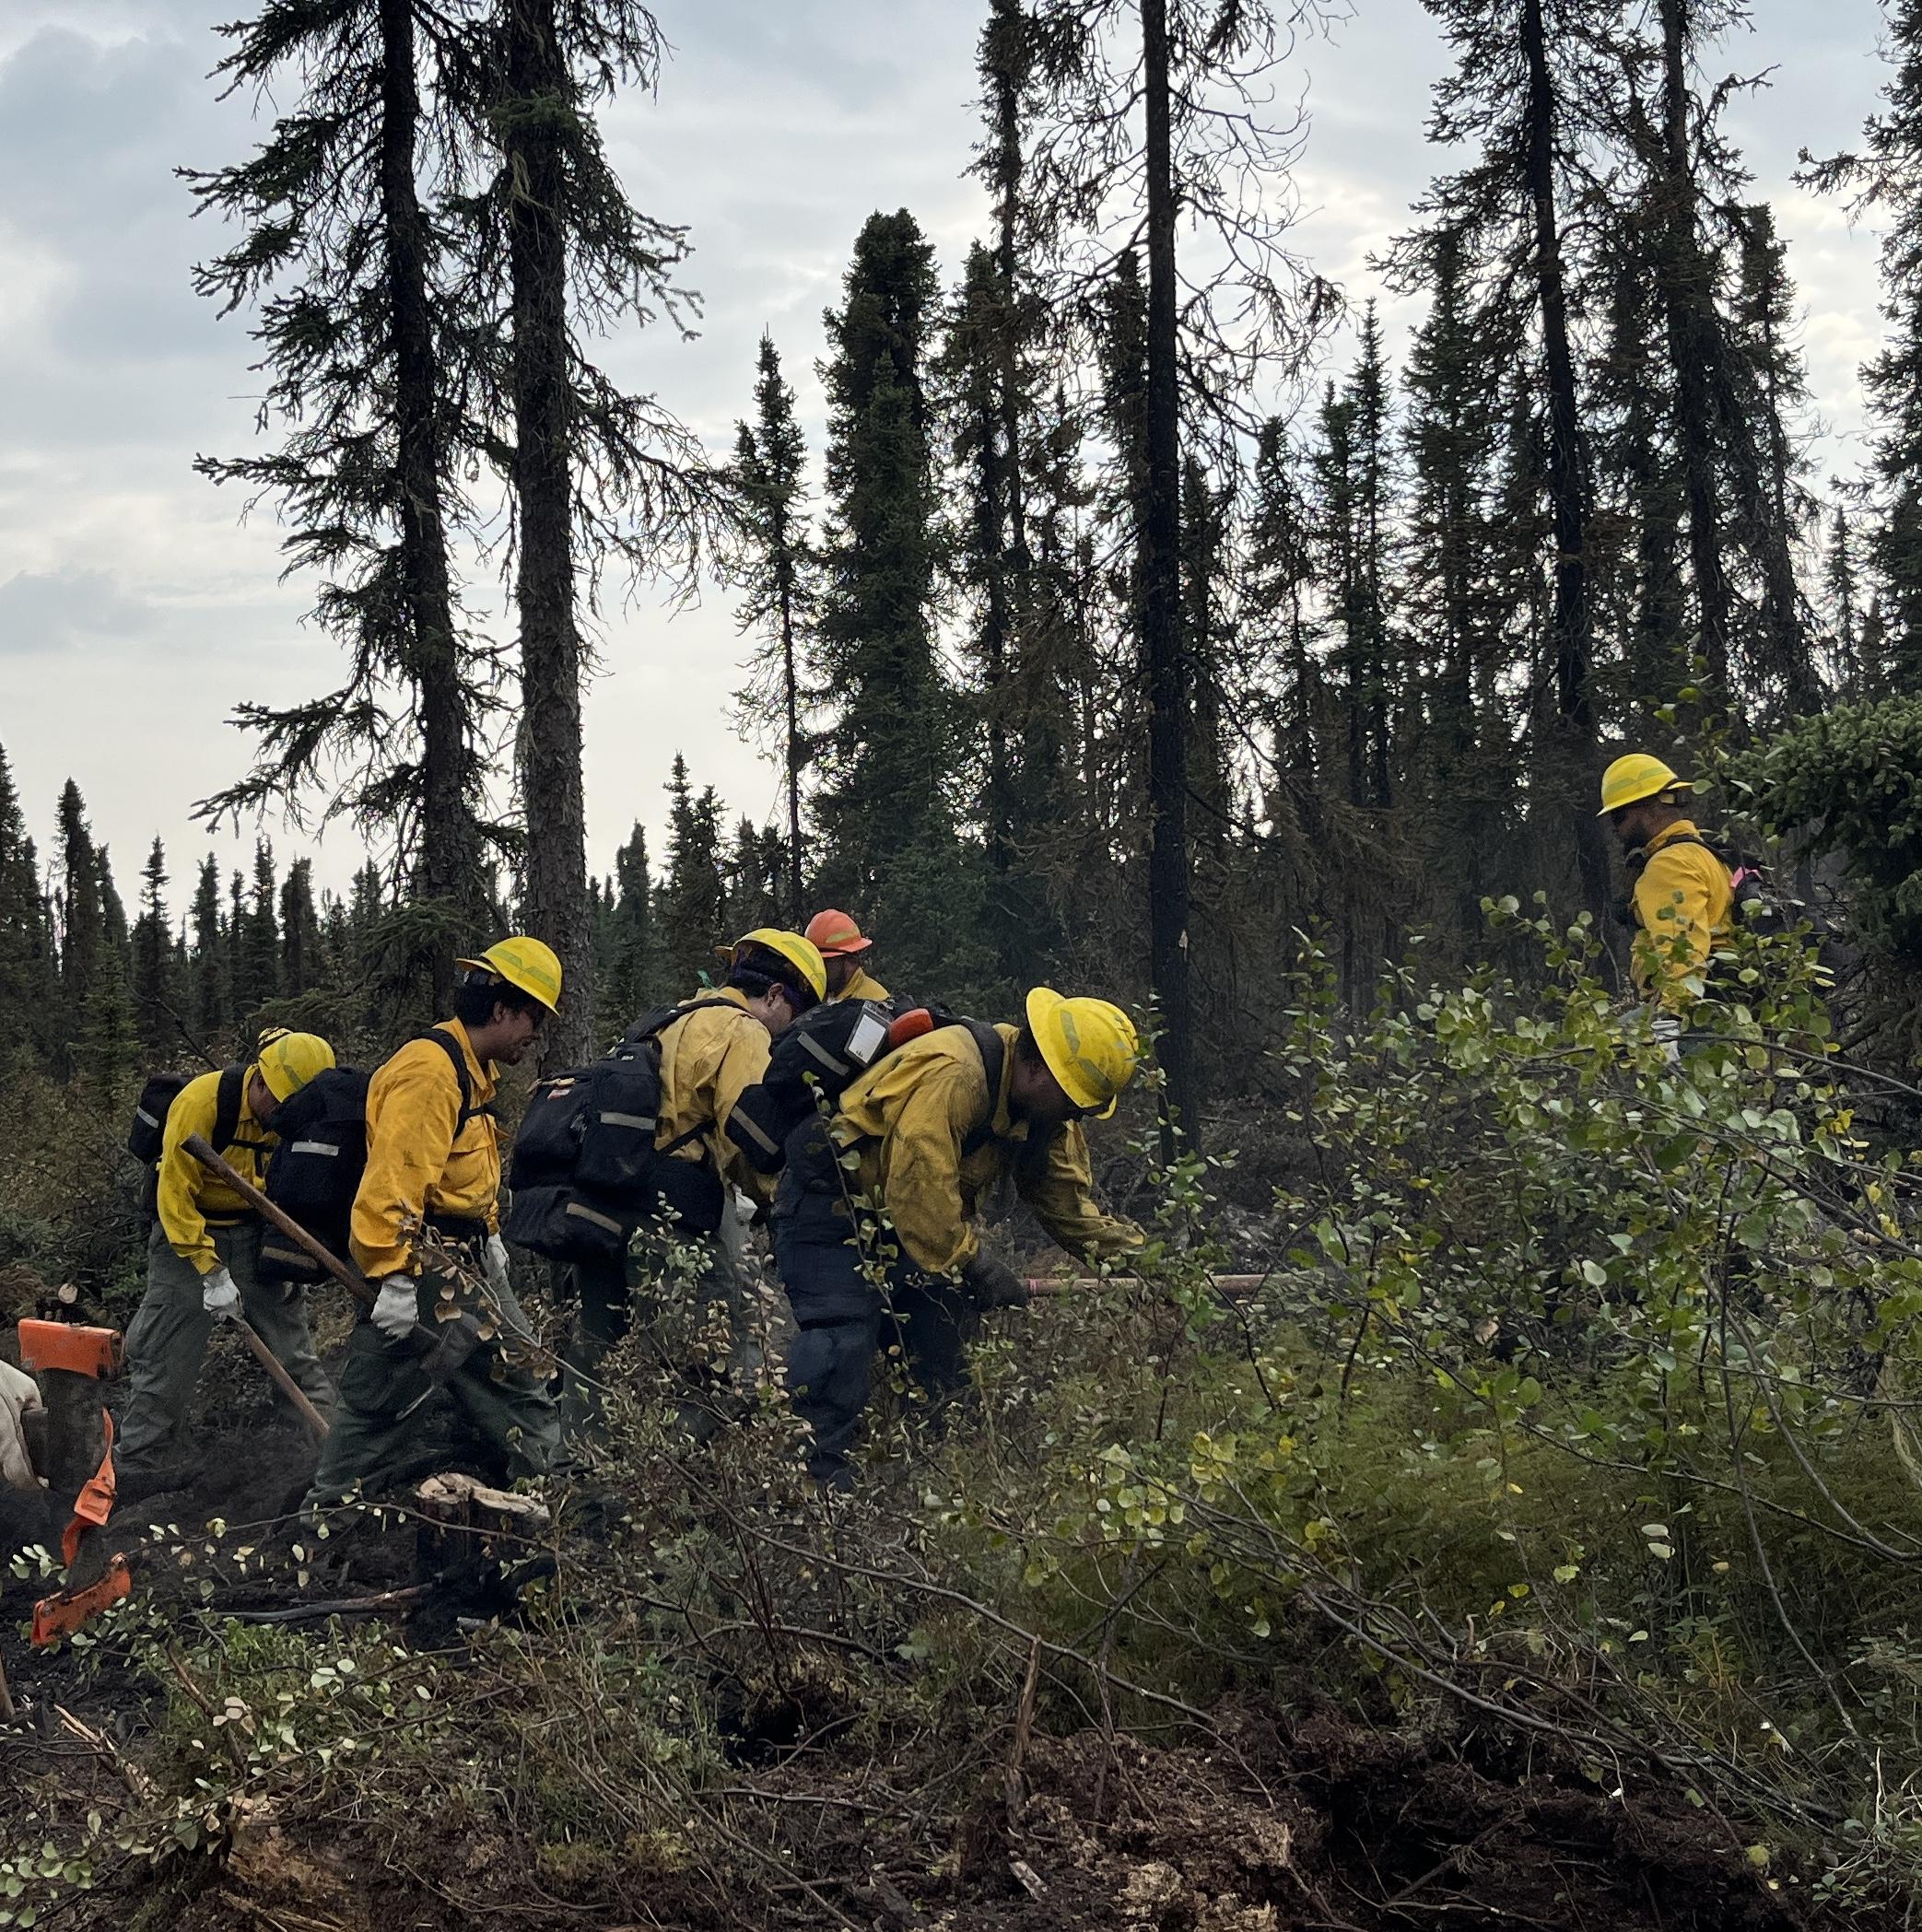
(1667, 1029)
(19, 1397)
(218, 1296)
(497, 1275)
(396, 1308)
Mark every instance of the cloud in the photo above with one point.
(57, 610)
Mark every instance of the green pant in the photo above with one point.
(168, 1339)
(608, 1299)
(384, 1392)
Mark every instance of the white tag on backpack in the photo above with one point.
(865, 1041)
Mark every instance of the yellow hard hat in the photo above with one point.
(1634, 778)
(289, 1060)
(1090, 1046)
(526, 963)
(801, 954)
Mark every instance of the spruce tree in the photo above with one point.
(1150, 115)
(1531, 90)
(343, 254)
(691, 914)
(258, 952)
(110, 1046)
(154, 1006)
(1776, 518)
(213, 983)
(29, 984)
(1280, 580)
(1206, 604)
(753, 878)
(300, 961)
(773, 568)
(890, 749)
(1685, 268)
(1841, 587)
(1883, 182)
(634, 980)
(1368, 605)
(84, 960)
(595, 472)
(1640, 584)
(1453, 548)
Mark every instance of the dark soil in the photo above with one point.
(1274, 1830)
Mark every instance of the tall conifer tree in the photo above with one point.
(154, 1005)
(774, 570)
(1884, 179)
(342, 253)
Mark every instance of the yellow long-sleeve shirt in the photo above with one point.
(910, 1118)
(863, 986)
(1682, 893)
(192, 1199)
(708, 1061)
(416, 1164)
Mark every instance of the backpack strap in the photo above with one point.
(993, 1050)
(451, 1048)
(227, 1100)
(650, 1031)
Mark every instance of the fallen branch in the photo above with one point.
(131, 1775)
(334, 1606)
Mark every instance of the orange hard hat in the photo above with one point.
(835, 932)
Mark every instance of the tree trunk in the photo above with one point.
(1782, 594)
(1692, 347)
(449, 870)
(791, 692)
(550, 641)
(1574, 648)
(1161, 613)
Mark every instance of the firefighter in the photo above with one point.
(203, 1258)
(712, 1048)
(433, 1166)
(934, 1128)
(1682, 901)
(844, 948)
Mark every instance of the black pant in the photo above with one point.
(844, 1319)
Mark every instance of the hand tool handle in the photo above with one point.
(290, 1389)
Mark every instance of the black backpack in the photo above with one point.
(817, 1058)
(147, 1133)
(315, 1172)
(586, 1172)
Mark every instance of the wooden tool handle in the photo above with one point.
(290, 1389)
(349, 1278)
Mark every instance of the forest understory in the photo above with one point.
(1533, 1546)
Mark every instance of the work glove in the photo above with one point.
(497, 1266)
(1667, 1029)
(397, 1307)
(19, 1397)
(218, 1296)
(991, 1283)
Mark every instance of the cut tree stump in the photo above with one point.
(465, 1526)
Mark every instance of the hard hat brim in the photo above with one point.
(1655, 790)
(858, 943)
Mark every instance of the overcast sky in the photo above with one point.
(136, 610)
